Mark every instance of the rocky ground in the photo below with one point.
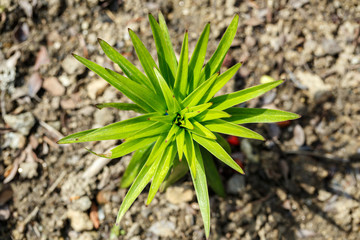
(301, 183)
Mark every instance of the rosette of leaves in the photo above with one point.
(181, 122)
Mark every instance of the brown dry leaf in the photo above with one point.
(94, 216)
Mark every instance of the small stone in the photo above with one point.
(66, 80)
(177, 195)
(281, 194)
(308, 188)
(331, 47)
(314, 84)
(163, 228)
(4, 213)
(299, 135)
(96, 88)
(67, 103)
(72, 66)
(28, 169)
(88, 236)
(79, 221)
(14, 140)
(236, 184)
(103, 117)
(134, 230)
(189, 220)
(260, 220)
(82, 204)
(323, 195)
(22, 123)
(53, 86)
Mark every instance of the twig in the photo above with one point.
(95, 167)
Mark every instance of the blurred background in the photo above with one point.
(301, 183)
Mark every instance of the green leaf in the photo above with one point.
(258, 115)
(201, 130)
(187, 124)
(212, 174)
(201, 189)
(126, 66)
(152, 130)
(179, 170)
(165, 61)
(114, 131)
(162, 171)
(223, 143)
(211, 114)
(217, 58)
(105, 74)
(196, 110)
(215, 149)
(146, 174)
(141, 92)
(181, 81)
(220, 82)
(122, 106)
(164, 118)
(158, 148)
(147, 62)
(194, 98)
(180, 141)
(174, 129)
(171, 53)
(171, 102)
(73, 138)
(190, 153)
(130, 146)
(225, 127)
(197, 58)
(136, 163)
(229, 100)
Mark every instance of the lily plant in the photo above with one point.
(181, 122)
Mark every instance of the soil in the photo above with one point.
(301, 183)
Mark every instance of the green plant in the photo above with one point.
(181, 116)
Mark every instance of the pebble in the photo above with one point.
(88, 236)
(281, 194)
(4, 213)
(247, 149)
(96, 88)
(236, 184)
(28, 169)
(330, 46)
(163, 228)
(103, 117)
(72, 66)
(66, 80)
(53, 86)
(82, 204)
(299, 135)
(22, 123)
(179, 194)
(134, 230)
(79, 221)
(323, 195)
(67, 103)
(14, 140)
(314, 84)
